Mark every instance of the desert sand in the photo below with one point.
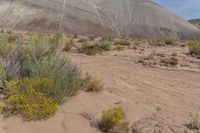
(159, 94)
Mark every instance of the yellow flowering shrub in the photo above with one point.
(32, 104)
(31, 98)
(113, 116)
(113, 121)
(43, 85)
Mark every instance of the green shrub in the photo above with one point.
(37, 59)
(32, 105)
(112, 120)
(92, 84)
(194, 48)
(88, 49)
(104, 45)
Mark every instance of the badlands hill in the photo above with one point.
(127, 18)
(195, 22)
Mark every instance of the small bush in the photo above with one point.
(163, 42)
(107, 37)
(88, 49)
(82, 40)
(69, 45)
(92, 37)
(104, 45)
(32, 105)
(92, 84)
(42, 85)
(1, 108)
(122, 42)
(169, 62)
(120, 47)
(169, 41)
(194, 48)
(112, 120)
(31, 98)
(195, 123)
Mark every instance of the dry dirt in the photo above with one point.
(151, 94)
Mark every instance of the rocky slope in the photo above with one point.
(195, 22)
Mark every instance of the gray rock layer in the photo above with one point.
(127, 18)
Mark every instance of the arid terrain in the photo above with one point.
(160, 95)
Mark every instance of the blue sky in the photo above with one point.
(187, 9)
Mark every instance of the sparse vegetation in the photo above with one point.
(92, 84)
(104, 45)
(82, 40)
(122, 42)
(195, 123)
(169, 62)
(170, 41)
(68, 45)
(34, 77)
(107, 37)
(194, 48)
(112, 121)
(88, 49)
(163, 41)
(120, 47)
(30, 103)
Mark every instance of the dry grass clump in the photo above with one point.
(82, 40)
(68, 45)
(88, 49)
(107, 37)
(112, 121)
(163, 42)
(120, 47)
(122, 42)
(194, 48)
(169, 62)
(92, 84)
(195, 123)
(93, 49)
(103, 45)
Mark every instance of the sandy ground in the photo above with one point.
(142, 91)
